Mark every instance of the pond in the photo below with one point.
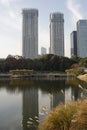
(24, 103)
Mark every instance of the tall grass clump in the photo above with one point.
(60, 118)
(81, 117)
(72, 116)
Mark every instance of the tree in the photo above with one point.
(83, 62)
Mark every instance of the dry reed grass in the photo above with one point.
(81, 116)
(72, 116)
(60, 118)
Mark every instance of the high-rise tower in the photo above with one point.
(30, 33)
(73, 39)
(43, 50)
(57, 34)
(82, 38)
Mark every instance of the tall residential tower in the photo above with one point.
(57, 34)
(30, 33)
(82, 38)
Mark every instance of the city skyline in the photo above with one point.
(11, 22)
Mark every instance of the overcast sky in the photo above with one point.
(11, 22)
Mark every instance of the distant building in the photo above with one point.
(49, 50)
(30, 33)
(73, 38)
(57, 34)
(82, 38)
(43, 50)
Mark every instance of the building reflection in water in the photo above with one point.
(30, 109)
(44, 105)
(73, 94)
(58, 98)
(69, 94)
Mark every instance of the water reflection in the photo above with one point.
(10, 111)
(30, 109)
(30, 101)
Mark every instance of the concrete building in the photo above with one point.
(30, 33)
(82, 38)
(73, 39)
(43, 50)
(57, 34)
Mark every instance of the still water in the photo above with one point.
(24, 103)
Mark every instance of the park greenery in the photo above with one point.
(48, 62)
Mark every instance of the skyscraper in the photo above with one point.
(57, 34)
(73, 38)
(30, 33)
(82, 38)
(43, 50)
